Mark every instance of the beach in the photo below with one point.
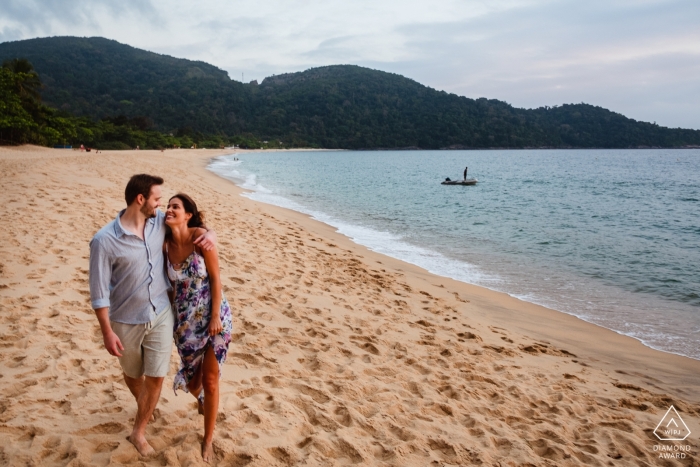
(339, 356)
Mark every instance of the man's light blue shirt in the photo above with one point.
(127, 273)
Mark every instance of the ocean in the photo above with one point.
(610, 236)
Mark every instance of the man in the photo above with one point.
(129, 293)
(465, 173)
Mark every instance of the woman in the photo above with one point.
(203, 317)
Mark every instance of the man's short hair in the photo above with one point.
(140, 184)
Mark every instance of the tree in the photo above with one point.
(15, 122)
(28, 84)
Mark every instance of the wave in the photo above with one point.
(379, 241)
(396, 246)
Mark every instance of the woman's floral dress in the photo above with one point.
(193, 312)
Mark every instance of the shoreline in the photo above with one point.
(487, 291)
(340, 354)
(338, 229)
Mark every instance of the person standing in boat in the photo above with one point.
(465, 173)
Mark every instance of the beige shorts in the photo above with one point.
(147, 347)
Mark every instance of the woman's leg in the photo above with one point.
(195, 384)
(195, 387)
(210, 381)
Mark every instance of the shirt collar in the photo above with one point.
(119, 230)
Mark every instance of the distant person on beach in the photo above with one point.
(129, 293)
(202, 315)
(465, 173)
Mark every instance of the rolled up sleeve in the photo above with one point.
(100, 275)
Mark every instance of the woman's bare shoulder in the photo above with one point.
(198, 231)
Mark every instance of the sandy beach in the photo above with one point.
(340, 356)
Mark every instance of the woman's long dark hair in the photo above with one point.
(197, 219)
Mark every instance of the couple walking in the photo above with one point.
(154, 277)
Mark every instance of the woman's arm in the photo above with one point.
(211, 260)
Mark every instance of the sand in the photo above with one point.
(340, 355)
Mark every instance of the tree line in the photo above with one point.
(25, 119)
(101, 92)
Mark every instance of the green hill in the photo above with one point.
(97, 77)
(341, 106)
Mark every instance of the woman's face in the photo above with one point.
(175, 213)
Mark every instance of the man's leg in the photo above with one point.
(131, 361)
(157, 346)
(135, 385)
(147, 401)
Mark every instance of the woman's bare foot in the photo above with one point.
(207, 452)
(141, 445)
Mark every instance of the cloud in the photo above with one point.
(23, 19)
(637, 57)
(620, 56)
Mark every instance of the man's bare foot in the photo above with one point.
(207, 452)
(141, 445)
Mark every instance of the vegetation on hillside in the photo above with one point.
(130, 96)
(25, 119)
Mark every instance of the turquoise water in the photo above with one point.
(611, 236)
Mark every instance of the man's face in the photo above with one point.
(152, 203)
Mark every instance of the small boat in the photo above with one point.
(469, 181)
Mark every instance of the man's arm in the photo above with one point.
(112, 343)
(207, 241)
(99, 277)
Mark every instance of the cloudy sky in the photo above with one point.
(637, 57)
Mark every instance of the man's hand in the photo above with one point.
(113, 344)
(207, 241)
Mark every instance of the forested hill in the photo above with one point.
(335, 107)
(98, 77)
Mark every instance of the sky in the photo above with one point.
(640, 58)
